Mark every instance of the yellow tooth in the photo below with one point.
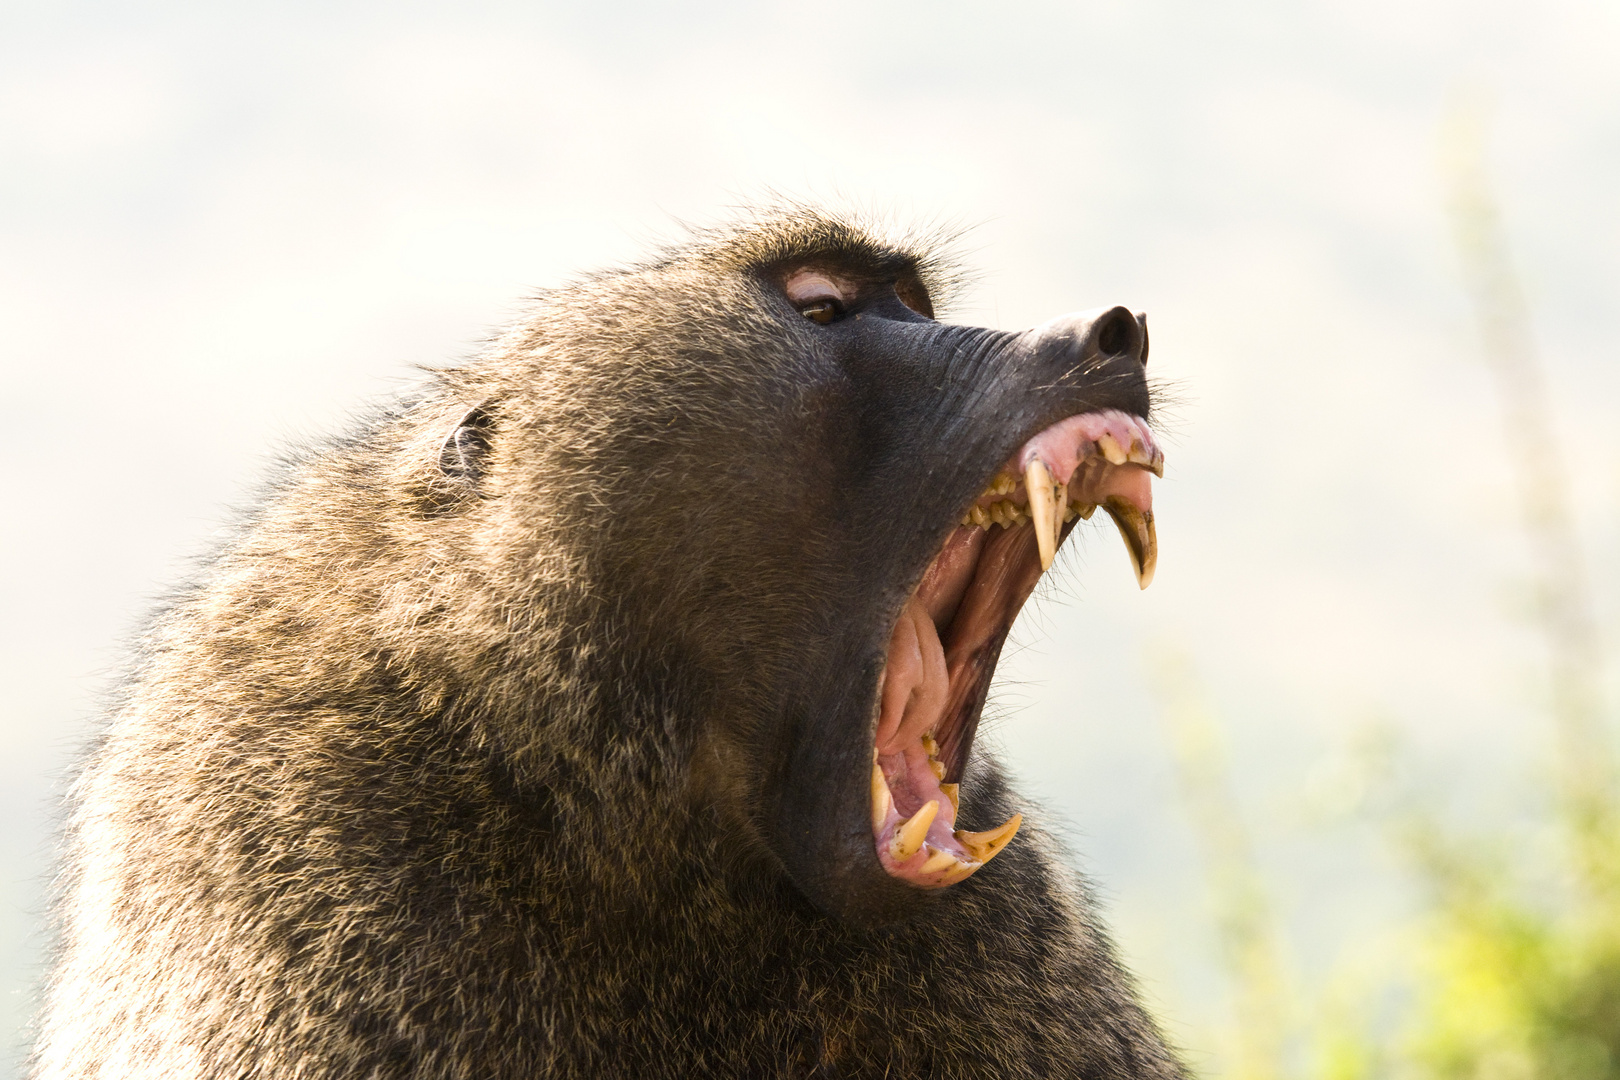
(952, 792)
(976, 515)
(937, 768)
(908, 838)
(881, 800)
(986, 845)
(1085, 510)
(1111, 449)
(1153, 462)
(1043, 510)
(939, 860)
(1141, 539)
(930, 747)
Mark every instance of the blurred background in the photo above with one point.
(1341, 776)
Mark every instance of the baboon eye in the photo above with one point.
(822, 311)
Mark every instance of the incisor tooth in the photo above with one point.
(952, 792)
(908, 838)
(939, 860)
(1043, 510)
(1111, 449)
(986, 845)
(1141, 539)
(881, 800)
(1152, 461)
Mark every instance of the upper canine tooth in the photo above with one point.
(908, 838)
(1141, 539)
(1111, 449)
(986, 845)
(882, 801)
(1043, 509)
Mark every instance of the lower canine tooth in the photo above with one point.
(986, 845)
(1141, 539)
(908, 838)
(882, 802)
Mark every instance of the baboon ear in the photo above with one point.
(465, 448)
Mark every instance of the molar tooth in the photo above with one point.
(930, 747)
(937, 768)
(1043, 510)
(1111, 449)
(908, 838)
(953, 793)
(1085, 510)
(1141, 538)
(882, 801)
(986, 845)
(977, 516)
(939, 860)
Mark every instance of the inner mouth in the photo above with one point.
(944, 647)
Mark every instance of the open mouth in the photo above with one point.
(944, 647)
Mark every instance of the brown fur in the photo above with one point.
(450, 766)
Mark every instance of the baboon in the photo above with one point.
(607, 707)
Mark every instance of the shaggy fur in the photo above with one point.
(454, 764)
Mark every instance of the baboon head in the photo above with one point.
(793, 517)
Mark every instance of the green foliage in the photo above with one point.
(1510, 991)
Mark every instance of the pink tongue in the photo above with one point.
(915, 683)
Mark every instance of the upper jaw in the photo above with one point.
(948, 636)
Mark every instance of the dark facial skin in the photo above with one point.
(923, 413)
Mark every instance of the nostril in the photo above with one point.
(1117, 333)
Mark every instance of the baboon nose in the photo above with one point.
(1115, 331)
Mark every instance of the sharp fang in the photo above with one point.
(1141, 540)
(939, 860)
(953, 793)
(1111, 449)
(986, 845)
(882, 801)
(908, 838)
(1043, 510)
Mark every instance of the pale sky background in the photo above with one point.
(223, 227)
